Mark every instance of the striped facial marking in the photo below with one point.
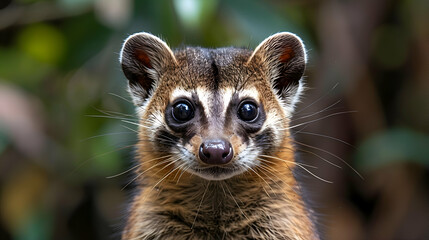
(236, 117)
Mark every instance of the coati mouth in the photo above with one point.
(217, 172)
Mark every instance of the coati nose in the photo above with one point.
(216, 152)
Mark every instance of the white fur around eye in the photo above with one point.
(180, 93)
(226, 95)
(204, 97)
(252, 93)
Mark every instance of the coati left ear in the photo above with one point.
(143, 58)
(283, 55)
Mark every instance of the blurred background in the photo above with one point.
(64, 110)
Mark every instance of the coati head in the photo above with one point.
(212, 112)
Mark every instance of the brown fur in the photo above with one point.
(263, 202)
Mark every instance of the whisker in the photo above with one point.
(318, 112)
(267, 169)
(326, 136)
(111, 117)
(172, 161)
(314, 175)
(184, 170)
(299, 165)
(199, 206)
(133, 130)
(271, 170)
(287, 161)
(141, 174)
(104, 135)
(97, 156)
(300, 130)
(113, 113)
(120, 97)
(236, 203)
(265, 190)
(134, 123)
(136, 166)
(179, 170)
(162, 179)
(315, 120)
(333, 155)
(126, 171)
(318, 99)
(317, 155)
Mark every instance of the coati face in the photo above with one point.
(212, 112)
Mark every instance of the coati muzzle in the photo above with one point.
(216, 152)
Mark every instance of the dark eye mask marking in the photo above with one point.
(264, 141)
(165, 141)
(185, 129)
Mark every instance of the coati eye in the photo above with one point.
(183, 111)
(248, 111)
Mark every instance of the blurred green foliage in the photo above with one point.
(65, 112)
(395, 145)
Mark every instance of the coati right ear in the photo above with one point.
(143, 58)
(284, 58)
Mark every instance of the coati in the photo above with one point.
(215, 154)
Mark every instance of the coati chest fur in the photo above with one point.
(215, 155)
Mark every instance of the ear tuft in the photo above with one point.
(143, 58)
(283, 55)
